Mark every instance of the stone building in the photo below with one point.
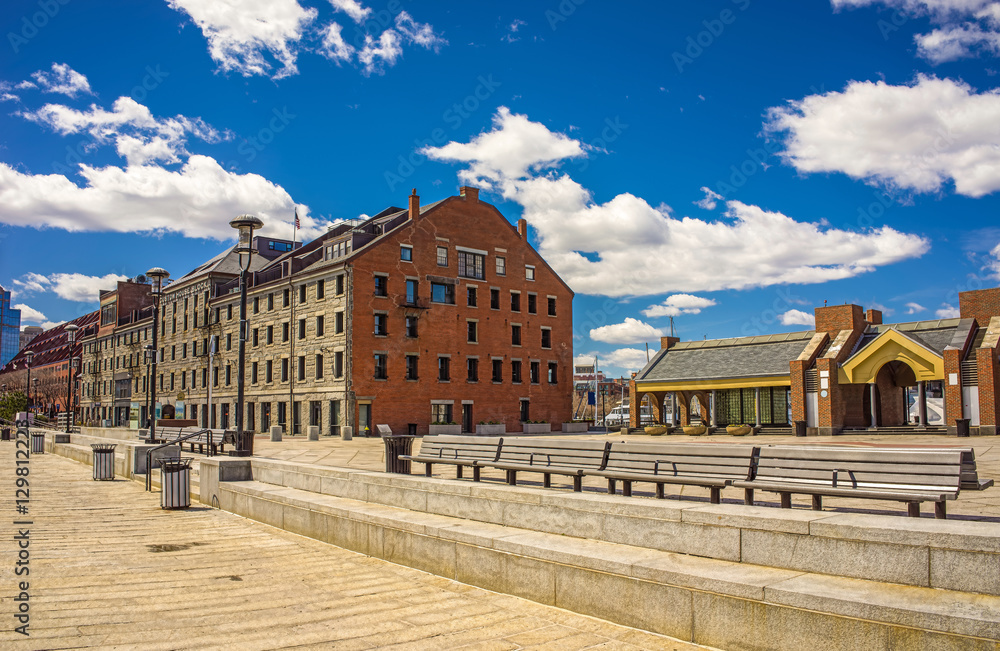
(850, 372)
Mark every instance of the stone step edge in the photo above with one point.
(927, 609)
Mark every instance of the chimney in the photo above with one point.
(873, 317)
(522, 228)
(666, 343)
(414, 206)
(469, 193)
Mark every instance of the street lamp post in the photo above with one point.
(71, 333)
(156, 275)
(245, 224)
(28, 356)
(36, 393)
(149, 352)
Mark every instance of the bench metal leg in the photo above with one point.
(476, 470)
(546, 480)
(427, 469)
(748, 496)
(458, 472)
(940, 510)
(611, 487)
(913, 509)
(512, 477)
(786, 500)
(715, 495)
(626, 488)
(817, 502)
(577, 484)
(659, 491)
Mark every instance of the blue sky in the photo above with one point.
(730, 163)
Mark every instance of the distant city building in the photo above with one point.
(28, 333)
(10, 328)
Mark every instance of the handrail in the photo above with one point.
(177, 441)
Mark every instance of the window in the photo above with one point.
(442, 256)
(529, 272)
(215, 376)
(302, 293)
(411, 367)
(229, 341)
(380, 366)
(279, 246)
(340, 284)
(253, 373)
(494, 299)
(471, 265)
(553, 368)
(284, 331)
(533, 372)
(444, 369)
(284, 369)
(319, 367)
(411, 326)
(546, 338)
(381, 286)
(515, 301)
(338, 364)
(285, 298)
(302, 328)
(532, 304)
(171, 381)
(470, 296)
(501, 266)
(515, 371)
(441, 414)
(270, 301)
(525, 411)
(270, 334)
(552, 305)
(229, 374)
(269, 370)
(256, 336)
(184, 350)
(498, 370)
(183, 381)
(381, 325)
(515, 335)
(472, 369)
(173, 352)
(443, 293)
(338, 322)
(406, 253)
(319, 326)
(302, 368)
(229, 313)
(411, 292)
(472, 333)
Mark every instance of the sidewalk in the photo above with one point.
(110, 569)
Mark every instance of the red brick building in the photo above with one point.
(851, 372)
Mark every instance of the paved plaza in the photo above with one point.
(110, 569)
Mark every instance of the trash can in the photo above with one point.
(5, 434)
(394, 447)
(175, 483)
(346, 433)
(800, 428)
(962, 427)
(104, 461)
(38, 443)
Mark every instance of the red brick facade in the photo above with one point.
(981, 305)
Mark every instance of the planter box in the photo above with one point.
(656, 430)
(491, 430)
(576, 427)
(445, 429)
(536, 428)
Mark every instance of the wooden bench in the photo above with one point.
(549, 457)
(215, 439)
(910, 476)
(458, 451)
(709, 465)
(971, 480)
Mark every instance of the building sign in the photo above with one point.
(584, 370)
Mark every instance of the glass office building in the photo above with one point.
(10, 328)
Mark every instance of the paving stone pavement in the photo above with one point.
(110, 569)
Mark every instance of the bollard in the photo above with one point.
(313, 432)
(38, 443)
(104, 461)
(346, 433)
(275, 432)
(175, 483)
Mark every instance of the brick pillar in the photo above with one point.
(684, 400)
(658, 397)
(952, 392)
(989, 400)
(830, 417)
(797, 371)
(633, 401)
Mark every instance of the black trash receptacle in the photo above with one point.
(800, 428)
(175, 483)
(5, 434)
(394, 447)
(104, 461)
(962, 426)
(38, 443)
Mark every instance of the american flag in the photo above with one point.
(298, 225)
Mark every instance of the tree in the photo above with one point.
(12, 403)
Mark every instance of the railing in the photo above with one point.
(177, 441)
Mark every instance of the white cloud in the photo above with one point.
(797, 317)
(62, 79)
(627, 247)
(710, 200)
(678, 304)
(29, 313)
(420, 34)
(631, 331)
(947, 311)
(914, 137)
(242, 33)
(919, 7)
(994, 264)
(957, 42)
(334, 46)
(629, 359)
(382, 52)
(352, 8)
(48, 325)
(913, 308)
(376, 54)
(72, 287)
